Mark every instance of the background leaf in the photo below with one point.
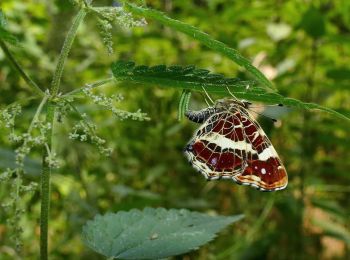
(4, 34)
(313, 23)
(152, 233)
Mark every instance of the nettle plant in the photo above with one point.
(151, 233)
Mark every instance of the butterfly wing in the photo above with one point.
(231, 144)
(264, 169)
(218, 148)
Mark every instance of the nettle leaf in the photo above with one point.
(187, 77)
(152, 233)
(191, 78)
(202, 37)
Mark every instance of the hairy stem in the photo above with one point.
(19, 69)
(65, 51)
(45, 186)
(50, 114)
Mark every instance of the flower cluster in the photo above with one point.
(63, 107)
(120, 16)
(109, 15)
(106, 34)
(85, 131)
(12, 205)
(8, 115)
(108, 103)
(34, 138)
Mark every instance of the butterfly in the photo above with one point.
(230, 144)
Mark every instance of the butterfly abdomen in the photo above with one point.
(201, 115)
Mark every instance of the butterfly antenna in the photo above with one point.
(206, 93)
(229, 91)
(274, 105)
(206, 101)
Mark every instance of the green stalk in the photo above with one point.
(19, 69)
(45, 186)
(67, 45)
(50, 115)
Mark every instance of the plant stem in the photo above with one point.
(65, 51)
(45, 186)
(19, 69)
(50, 115)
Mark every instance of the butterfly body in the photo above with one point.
(230, 144)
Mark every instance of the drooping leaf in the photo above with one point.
(152, 233)
(202, 37)
(194, 79)
(336, 230)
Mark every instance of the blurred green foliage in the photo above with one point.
(302, 47)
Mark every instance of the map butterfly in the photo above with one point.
(230, 144)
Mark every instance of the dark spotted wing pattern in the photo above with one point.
(231, 144)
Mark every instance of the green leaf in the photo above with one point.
(194, 79)
(4, 34)
(313, 23)
(336, 230)
(2, 19)
(202, 37)
(187, 77)
(339, 74)
(152, 233)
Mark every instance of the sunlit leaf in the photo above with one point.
(152, 233)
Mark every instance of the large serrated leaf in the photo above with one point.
(187, 77)
(191, 78)
(152, 233)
